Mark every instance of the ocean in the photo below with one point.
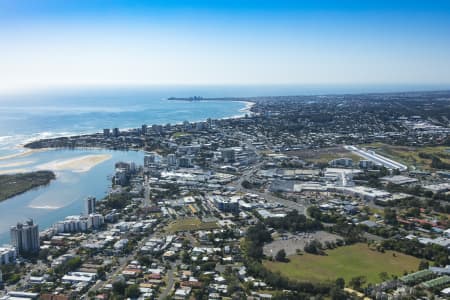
(29, 116)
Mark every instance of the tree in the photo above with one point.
(101, 273)
(132, 291)
(118, 287)
(357, 282)
(281, 256)
(185, 257)
(313, 247)
(338, 294)
(383, 276)
(340, 282)
(390, 216)
(246, 184)
(423, 265)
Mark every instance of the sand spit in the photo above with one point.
(78, 164)
(16, 164)
(24, 153)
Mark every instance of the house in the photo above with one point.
(182, 293)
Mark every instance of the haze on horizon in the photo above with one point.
(50, 43)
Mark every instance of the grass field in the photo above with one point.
(190, 224)
(180, 134)
(346, 262)
(410, 155)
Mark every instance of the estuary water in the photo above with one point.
(29, 116)
(81, 173)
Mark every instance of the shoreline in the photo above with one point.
(73, 165)
(242, 112)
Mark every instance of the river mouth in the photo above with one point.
(84, 172)
(79, 173)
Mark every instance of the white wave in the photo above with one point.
(5, 137)
(70, 110)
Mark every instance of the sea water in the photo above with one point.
(28, 117)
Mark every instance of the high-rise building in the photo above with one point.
(149, 159)
(185, 162)
(89, 205)
(7, 256)
(171, 159)
(144, 129)
(95, 221)
(116, 132)
(228, 155)
(25, 237)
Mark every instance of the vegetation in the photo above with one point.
(332, 217)
(345, 262)
(433, 252)
(390, 216)
(351, 233)
(314, 247)
(281, 256)
(324, 155)
(118, 200)
(15, 184)
(69, 266)
(250, 185)
(11, 273)
(132, 291)
(190, 224)
(252, 249)
(293, 222)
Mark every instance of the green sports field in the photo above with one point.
(346, 262)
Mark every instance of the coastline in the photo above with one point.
(8, 167)
(79, 164)
(242, 112)
(65, 195)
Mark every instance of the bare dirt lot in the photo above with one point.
(323, 155)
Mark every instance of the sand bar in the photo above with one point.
(16, 164)
(77, 164)
(24, 153)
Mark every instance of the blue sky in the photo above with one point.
(90, 42)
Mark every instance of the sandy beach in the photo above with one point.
(77, 164)
(24, 153)
(248, 106)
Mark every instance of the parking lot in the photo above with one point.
(291, 242)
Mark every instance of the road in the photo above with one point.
(248, 174)
(170, 283)
(123, 262)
